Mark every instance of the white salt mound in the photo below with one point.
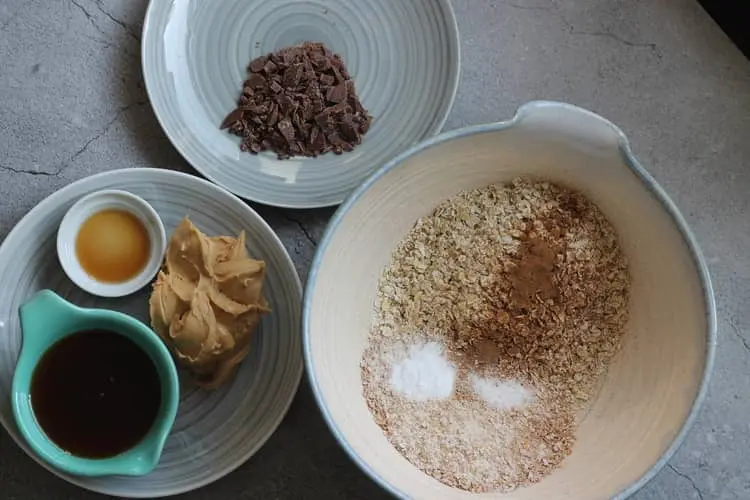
(501, 394)
(425, 374)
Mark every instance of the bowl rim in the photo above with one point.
(649, 183)
(435, 130)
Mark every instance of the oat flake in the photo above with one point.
(523, 283)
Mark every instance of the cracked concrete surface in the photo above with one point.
(85, 7)
(689, 480)
(72, 103)
(80, 150)
(736, 331)
(554, 8)
(287, 214)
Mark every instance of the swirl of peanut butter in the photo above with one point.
(207, 301)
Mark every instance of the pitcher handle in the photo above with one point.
(44, 317)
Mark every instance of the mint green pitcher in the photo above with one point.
(46, 319)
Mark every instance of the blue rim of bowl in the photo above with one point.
(649, 182)
(455, 38)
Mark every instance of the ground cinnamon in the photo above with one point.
(533, 274)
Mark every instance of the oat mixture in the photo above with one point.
(523, 282)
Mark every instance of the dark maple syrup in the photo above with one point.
(95, 393)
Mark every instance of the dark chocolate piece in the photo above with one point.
(300, 101)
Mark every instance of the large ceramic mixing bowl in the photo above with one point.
(655, 385)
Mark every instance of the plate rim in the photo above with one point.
(52, 200)
(454, 38)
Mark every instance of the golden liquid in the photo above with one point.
(113, 246)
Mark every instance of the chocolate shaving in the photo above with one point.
(300, 101)
(232, 118)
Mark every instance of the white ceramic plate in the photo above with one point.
(215, 431)
(403, 56)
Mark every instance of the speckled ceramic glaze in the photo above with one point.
(403, 56)
(654, 387)
(215, 431)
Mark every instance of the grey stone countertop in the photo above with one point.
(72, 103)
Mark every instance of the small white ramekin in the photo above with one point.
(92, 204)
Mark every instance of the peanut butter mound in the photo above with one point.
(206, 302)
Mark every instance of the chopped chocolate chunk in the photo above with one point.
(257, 65)
(306, 107)
(298, 121)
(292, 76)
(324, 120)
(342, 107)
(259, 109)
(275, 87)
(348, 128)
(287, 104)
(273, 118)
(270, 67)
(256, 81)
(322, 63)
(337, 94)
(334, 139)
(299, 101)
(286, 129)
(232, 118)
(364, 126)
(337, 74)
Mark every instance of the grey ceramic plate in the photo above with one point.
(402, 54)
(215, 431)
